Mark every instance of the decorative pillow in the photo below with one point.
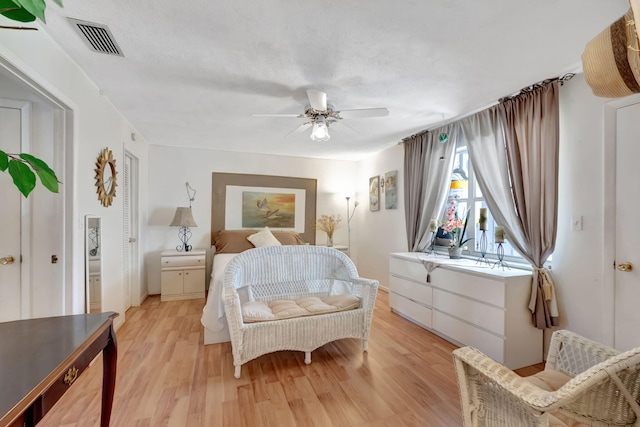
(288, 237)
(232, 241)
(263, 238)
(235, 241)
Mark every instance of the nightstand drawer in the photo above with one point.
(183, 261)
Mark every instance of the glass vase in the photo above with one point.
(329, 240)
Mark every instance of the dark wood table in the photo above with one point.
(41, 358)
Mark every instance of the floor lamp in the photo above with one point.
(349, 216)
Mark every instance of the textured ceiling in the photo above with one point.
(194, 72)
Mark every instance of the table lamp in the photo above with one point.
(183, 219)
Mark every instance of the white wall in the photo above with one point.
(577, 259)
(382, 232)
(170, 168)
(97, 124)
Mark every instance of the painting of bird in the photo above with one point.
(276, 210)
(269, 213)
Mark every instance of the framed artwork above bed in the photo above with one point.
(242, 201)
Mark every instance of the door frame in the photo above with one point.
(63, 161)
(609, 211)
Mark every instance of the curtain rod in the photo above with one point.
(562, 79)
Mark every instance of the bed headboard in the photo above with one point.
(262, 183)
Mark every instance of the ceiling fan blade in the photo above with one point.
(278, 115)
(299, 129)
(361, 113)
(342, 125)
(317, 99)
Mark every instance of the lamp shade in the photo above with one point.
(183, 218)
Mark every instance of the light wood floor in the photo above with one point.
(167, 377)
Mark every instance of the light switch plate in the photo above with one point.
(576, 222)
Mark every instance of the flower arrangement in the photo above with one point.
(456, 226)
(328, 224)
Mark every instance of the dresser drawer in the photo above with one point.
(183, 261)
(470, 285)
(466, 334)
(411, 290)
(475, 312)
(416, 312)
(409, 269)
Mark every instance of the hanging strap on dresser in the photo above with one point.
(429, 266)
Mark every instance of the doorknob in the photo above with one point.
(7, 260)
(625, 266)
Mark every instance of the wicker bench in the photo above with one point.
(293, 273)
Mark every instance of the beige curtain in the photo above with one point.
(531, 133)
(427, 172)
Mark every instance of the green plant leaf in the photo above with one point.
(22, 176)
(14, 11)
(47, 175)
(58, 2)
(4, 161)
(34, 7)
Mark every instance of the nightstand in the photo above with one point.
(183, 275)
(344, 249)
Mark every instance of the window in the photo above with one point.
(465, 190)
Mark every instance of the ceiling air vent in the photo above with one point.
(97, 36)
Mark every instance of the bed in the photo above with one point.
(228, 244)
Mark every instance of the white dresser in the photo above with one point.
(183, 275)
(468, 304)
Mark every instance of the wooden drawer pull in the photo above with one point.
(71, 375)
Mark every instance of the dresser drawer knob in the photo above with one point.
(71, 375)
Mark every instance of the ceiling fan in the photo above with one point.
(320, 115)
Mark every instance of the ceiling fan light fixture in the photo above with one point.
(320, 130)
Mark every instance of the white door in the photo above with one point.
(10, 225)
(627, 232)
(130, 232)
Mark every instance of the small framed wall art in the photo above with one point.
(374, 193)
(391, 190)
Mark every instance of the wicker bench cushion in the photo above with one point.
(258, 311)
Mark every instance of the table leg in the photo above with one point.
(109, 365)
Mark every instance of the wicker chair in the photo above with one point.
(287, 273)
(601, 389)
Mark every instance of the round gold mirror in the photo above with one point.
(106, 177)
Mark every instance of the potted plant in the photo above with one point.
(24, 11)
(22, 166)
(457, 228)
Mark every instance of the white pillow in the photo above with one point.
(263, 238)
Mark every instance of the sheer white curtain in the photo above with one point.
(427, 173)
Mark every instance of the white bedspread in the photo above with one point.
(213, 312)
